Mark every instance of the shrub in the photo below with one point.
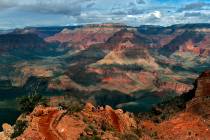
(90, 138)
(28, 103)
(72, 105)
(154, 135)
(106, 127)
(91, 126)
(85, 119)
(129, 136)
(19, 128)
(74, 108)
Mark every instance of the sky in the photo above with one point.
(22, 13)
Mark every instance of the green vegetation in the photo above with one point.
(89, 138)
(129, 136)
(85, 119)
(90, 129)
(124, 67)
(34, 87)
(106, 127)
(163, 78)
(19, 128)
(139, 130)
(154, 135)
(28, 103)
(72, 105)
(168, 96)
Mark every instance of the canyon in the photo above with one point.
(121, 67)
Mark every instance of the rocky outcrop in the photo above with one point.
(51, 124)
(177, 87)
(40, 124)
(190, 123)
(7, 132)
(117, 119)
(183, 126)
(203, 85)
(200, 104)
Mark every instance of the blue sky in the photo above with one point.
(21, 13)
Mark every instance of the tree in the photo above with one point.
(19, 128)
(29, 102)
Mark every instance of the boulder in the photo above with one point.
(89, 107)
(7, 129)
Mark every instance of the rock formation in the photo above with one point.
(191, 123)
(200, 104)
(7, 132)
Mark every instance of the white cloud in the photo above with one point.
(156, 14)
(131, 12)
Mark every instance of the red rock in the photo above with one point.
(178, 87)
(88, 34)
(184, 126)
(89, 107)
(203, 85)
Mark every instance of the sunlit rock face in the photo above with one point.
(203, 87)
(201, 102)
(86, 36)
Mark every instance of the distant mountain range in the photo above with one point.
(136, 65)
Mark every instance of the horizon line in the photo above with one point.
(89, 24)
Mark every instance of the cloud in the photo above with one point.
(64, 7)
(152, 17)
(200, 16)
(5, 4)
(140, 1)
(45, 8)
(194, 6)
(119, 12)
(131, 12)
(90, 5)
(156, 14)
(192, 14)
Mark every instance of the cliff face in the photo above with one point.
(190, 123)
(203, 86)
(84, 37)
(200, 104)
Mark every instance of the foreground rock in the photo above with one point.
(52, 124)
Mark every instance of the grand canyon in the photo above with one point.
(131, 69)
(104, 76)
